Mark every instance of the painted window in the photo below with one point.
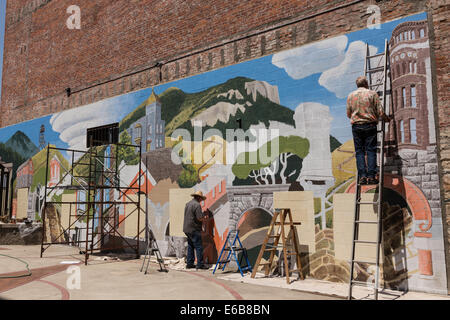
(413, 131)
(413, 97)
(403, 97)
(398, 71)
(415, 67)
(81, 207)
(107, 157)
(422, 33)
(150, 129)
(402, 131)
(220, 187)
(214, 193)
(395, 100)
(413, 35)
(138, 131)
(401, 36)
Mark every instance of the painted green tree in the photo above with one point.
(188, 177)
(127, 153)
(273, 166)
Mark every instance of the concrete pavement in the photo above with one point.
(121, 280)
(110, 278)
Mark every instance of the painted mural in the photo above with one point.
(245, 132)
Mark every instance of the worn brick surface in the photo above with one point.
(42, 57)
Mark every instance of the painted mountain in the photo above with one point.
(21, 144)
(220, 107)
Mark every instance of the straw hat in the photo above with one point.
(198, 194)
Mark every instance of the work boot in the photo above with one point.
(202, 267)
(362, 181)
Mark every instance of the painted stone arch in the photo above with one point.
(244, 198)
(420, 210)
(251, 210)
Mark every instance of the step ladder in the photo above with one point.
(378, 78)
(152, 248)
(232, 249)
(287, 243)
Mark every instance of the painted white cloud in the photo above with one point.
(341, 79)
(72, 124)
(313, 58)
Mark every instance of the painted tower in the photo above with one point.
(148, 131)
(411, 86)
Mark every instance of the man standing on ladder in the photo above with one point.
(192, 227)
(364, 109)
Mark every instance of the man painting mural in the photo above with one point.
(192, 227)
(365, 110)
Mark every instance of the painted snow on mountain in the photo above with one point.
(230, 94)
(221, 111)
(264, 89)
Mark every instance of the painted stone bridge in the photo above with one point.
(244, 198)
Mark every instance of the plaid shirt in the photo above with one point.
(364, 106)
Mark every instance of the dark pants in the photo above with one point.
(365, 139)
(194, 242)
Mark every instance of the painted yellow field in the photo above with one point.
(344, 162)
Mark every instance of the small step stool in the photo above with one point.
(233, 249)
(152, 248)
(291, 240)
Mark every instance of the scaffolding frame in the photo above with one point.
(6, 190)
(97, 213)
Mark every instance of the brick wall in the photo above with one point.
(120, 41)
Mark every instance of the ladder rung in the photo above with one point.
(265, 263)
(369, 262)
(362, 283)
(378, 69)
(376, 55)
(288, 224)
(366, 221)
(365, 241)
(270, 249)
(234, 248)
(274, 236)
(360, 202)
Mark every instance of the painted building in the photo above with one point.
(55, 171)
(25, 175)
(148, 131)
(411, 86)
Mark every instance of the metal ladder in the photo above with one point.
(233, 249)
(378, 78)
(152, 248)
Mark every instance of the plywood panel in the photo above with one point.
(67, 210)
(301, 204)
(22, 203)
(131, 214)
(343, 217)
(178, 199)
